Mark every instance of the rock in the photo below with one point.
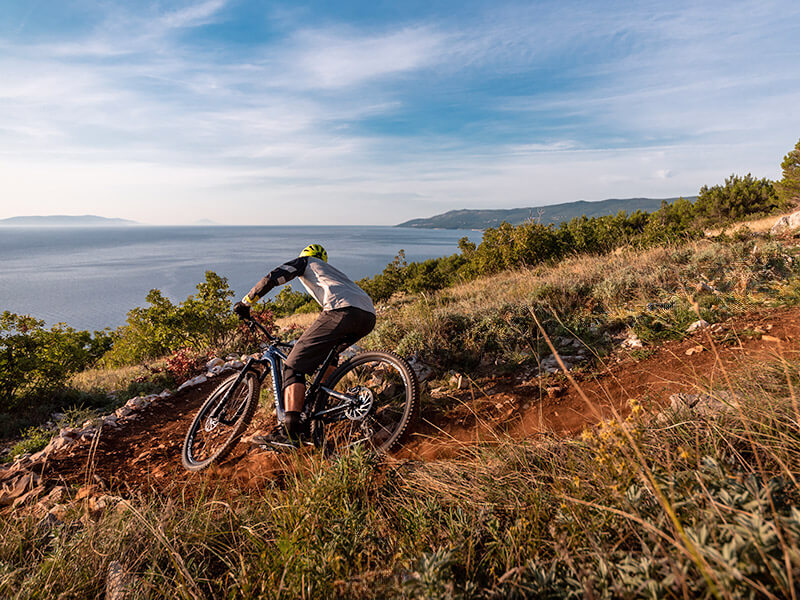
(59, 512)
(192, 382)
(632, 342)
(122, 411)
(165, 394)
(214, 362)
(56, 496)
(69, 432)
(786, 224)
(551, 365)
(134, 403)
(554, 391)
(30, 495)
(88, 424)
(100, 504)
(120, 585)
(702, 404)
(421, 370)
(87, 491)
(25, 482)
(459, 381)
(698, 326)
(56, 444)
(694, 350)
(110, 420)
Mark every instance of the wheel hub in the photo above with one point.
(362, 404)
(211, 424)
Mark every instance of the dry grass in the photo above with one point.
(762, 225)
(300, 321)
(109, 379)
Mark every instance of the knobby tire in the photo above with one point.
(250, 386)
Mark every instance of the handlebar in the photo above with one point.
(253, 325)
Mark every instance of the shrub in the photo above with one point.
(788, 187)
(738, 198)
(33, 358)
(202, 321)
(183, 363)
(289, 302)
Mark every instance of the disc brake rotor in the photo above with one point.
(361, 407)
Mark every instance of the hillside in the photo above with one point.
(66, 221)
(554, 213)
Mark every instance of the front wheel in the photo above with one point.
(221, 421)
(374, 401)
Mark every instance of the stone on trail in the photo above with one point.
(702, 404)
(214, 362)
(698, 326)
(633, 342)
(786, 224)
(192, 382)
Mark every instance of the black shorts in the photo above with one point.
(332, 328)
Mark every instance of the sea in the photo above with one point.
(89, 278)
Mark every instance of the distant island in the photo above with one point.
(66, 221)
(554, 213)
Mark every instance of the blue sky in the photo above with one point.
(256, 112)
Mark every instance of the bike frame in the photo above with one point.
(272, 360)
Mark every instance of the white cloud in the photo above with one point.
(327, 59)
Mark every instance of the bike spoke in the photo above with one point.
(377, 409)
(212, 434)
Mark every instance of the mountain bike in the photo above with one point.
(370, 400)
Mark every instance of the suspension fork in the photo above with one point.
(223, 402)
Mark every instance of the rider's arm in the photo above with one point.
(278, 276)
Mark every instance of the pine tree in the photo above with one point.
(788, 188)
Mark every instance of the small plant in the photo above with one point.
(183, 363)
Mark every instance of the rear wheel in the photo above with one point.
(378, 401)
(211, 438)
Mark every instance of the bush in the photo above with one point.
(289, 302)
(202, 321)
(738, 198)
(788, 187)
(33, 359)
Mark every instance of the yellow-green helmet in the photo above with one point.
(315, 250)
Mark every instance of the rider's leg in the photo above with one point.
(330, 329)
(295, 395)
(294, 392)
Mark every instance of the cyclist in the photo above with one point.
(347, 315)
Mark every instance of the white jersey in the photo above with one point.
(332, 288)
(327, 284)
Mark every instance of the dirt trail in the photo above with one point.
(146, 452)
(524, 409)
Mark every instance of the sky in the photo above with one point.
(371, 113)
